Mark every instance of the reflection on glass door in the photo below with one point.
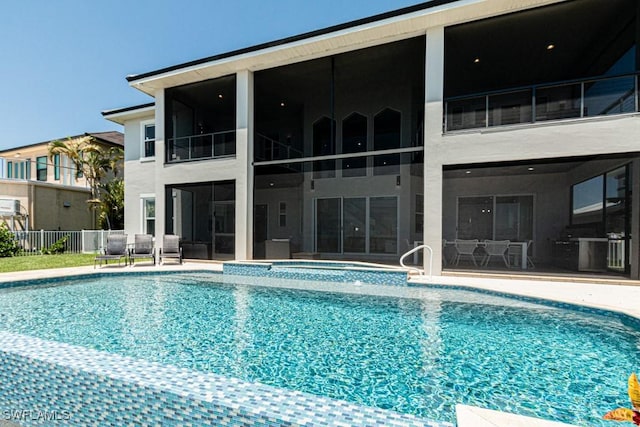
(328, 226)
(355, 226)
(475, 218)
(514, 218)
(383, 225)
(496, 217)
(617, 223)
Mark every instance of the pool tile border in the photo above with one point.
(88, 387)
(324, 271)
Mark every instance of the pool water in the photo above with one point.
(420, 353)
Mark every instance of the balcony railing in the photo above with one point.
(201, 146)
(267, 149)
(600, 96)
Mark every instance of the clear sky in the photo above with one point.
(63, 62)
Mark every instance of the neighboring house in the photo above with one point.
(441, 121)
(37, 192)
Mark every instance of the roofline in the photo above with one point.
(127, 109)
(299, 37)
(58, 139)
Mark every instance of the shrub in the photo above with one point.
(58, 247)
(8, 243)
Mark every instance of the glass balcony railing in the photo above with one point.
(201, 146)
(537, 103)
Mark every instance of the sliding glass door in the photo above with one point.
(496, 217)
(328, 225)
(358, 225)
(355, 225)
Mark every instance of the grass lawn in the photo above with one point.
(40, 262)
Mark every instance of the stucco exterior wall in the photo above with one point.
(139, 176)
(50, 206)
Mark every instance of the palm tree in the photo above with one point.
(112, 204)
(91, 159)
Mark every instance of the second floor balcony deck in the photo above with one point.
(201, 146)
(572, 99)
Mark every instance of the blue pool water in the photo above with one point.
(419, 353)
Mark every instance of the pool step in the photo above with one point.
(326, 273)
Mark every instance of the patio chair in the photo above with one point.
(143, 248)
(116, 250)
(496, 248)
(465, 248)
(171, 248)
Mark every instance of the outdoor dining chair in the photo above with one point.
(465, 248)
(496, 248)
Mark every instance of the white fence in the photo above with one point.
(83, 241)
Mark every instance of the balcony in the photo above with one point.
(201, 147)
(599, 96)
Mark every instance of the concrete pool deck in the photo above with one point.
(600, 294)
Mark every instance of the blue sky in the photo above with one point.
(65, 61)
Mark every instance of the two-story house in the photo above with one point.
(39, 192)
(444, 121)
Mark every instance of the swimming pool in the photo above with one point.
(414, 350)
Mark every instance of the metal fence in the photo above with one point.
(83, 241)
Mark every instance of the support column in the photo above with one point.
(161, 203)
(433, 110)
(244, 157)
(634, 245)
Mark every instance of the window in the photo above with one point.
(56, 167)
(283, 214)
(41, 168)
(587, 201)
(324, 136)
(148, 139)
(149, 216)
(419, 214)
(601, 201)
(79, 172)
(354, 140)
(386, 136)
(9, 169)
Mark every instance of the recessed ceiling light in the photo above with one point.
(220, 96)
(271, 184)
(475, 61)
(282, 104)
(551, 46)
(468, 172)
(531, 169)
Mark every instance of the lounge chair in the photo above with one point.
(143, 248)
(116, 250)
(171, 248)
